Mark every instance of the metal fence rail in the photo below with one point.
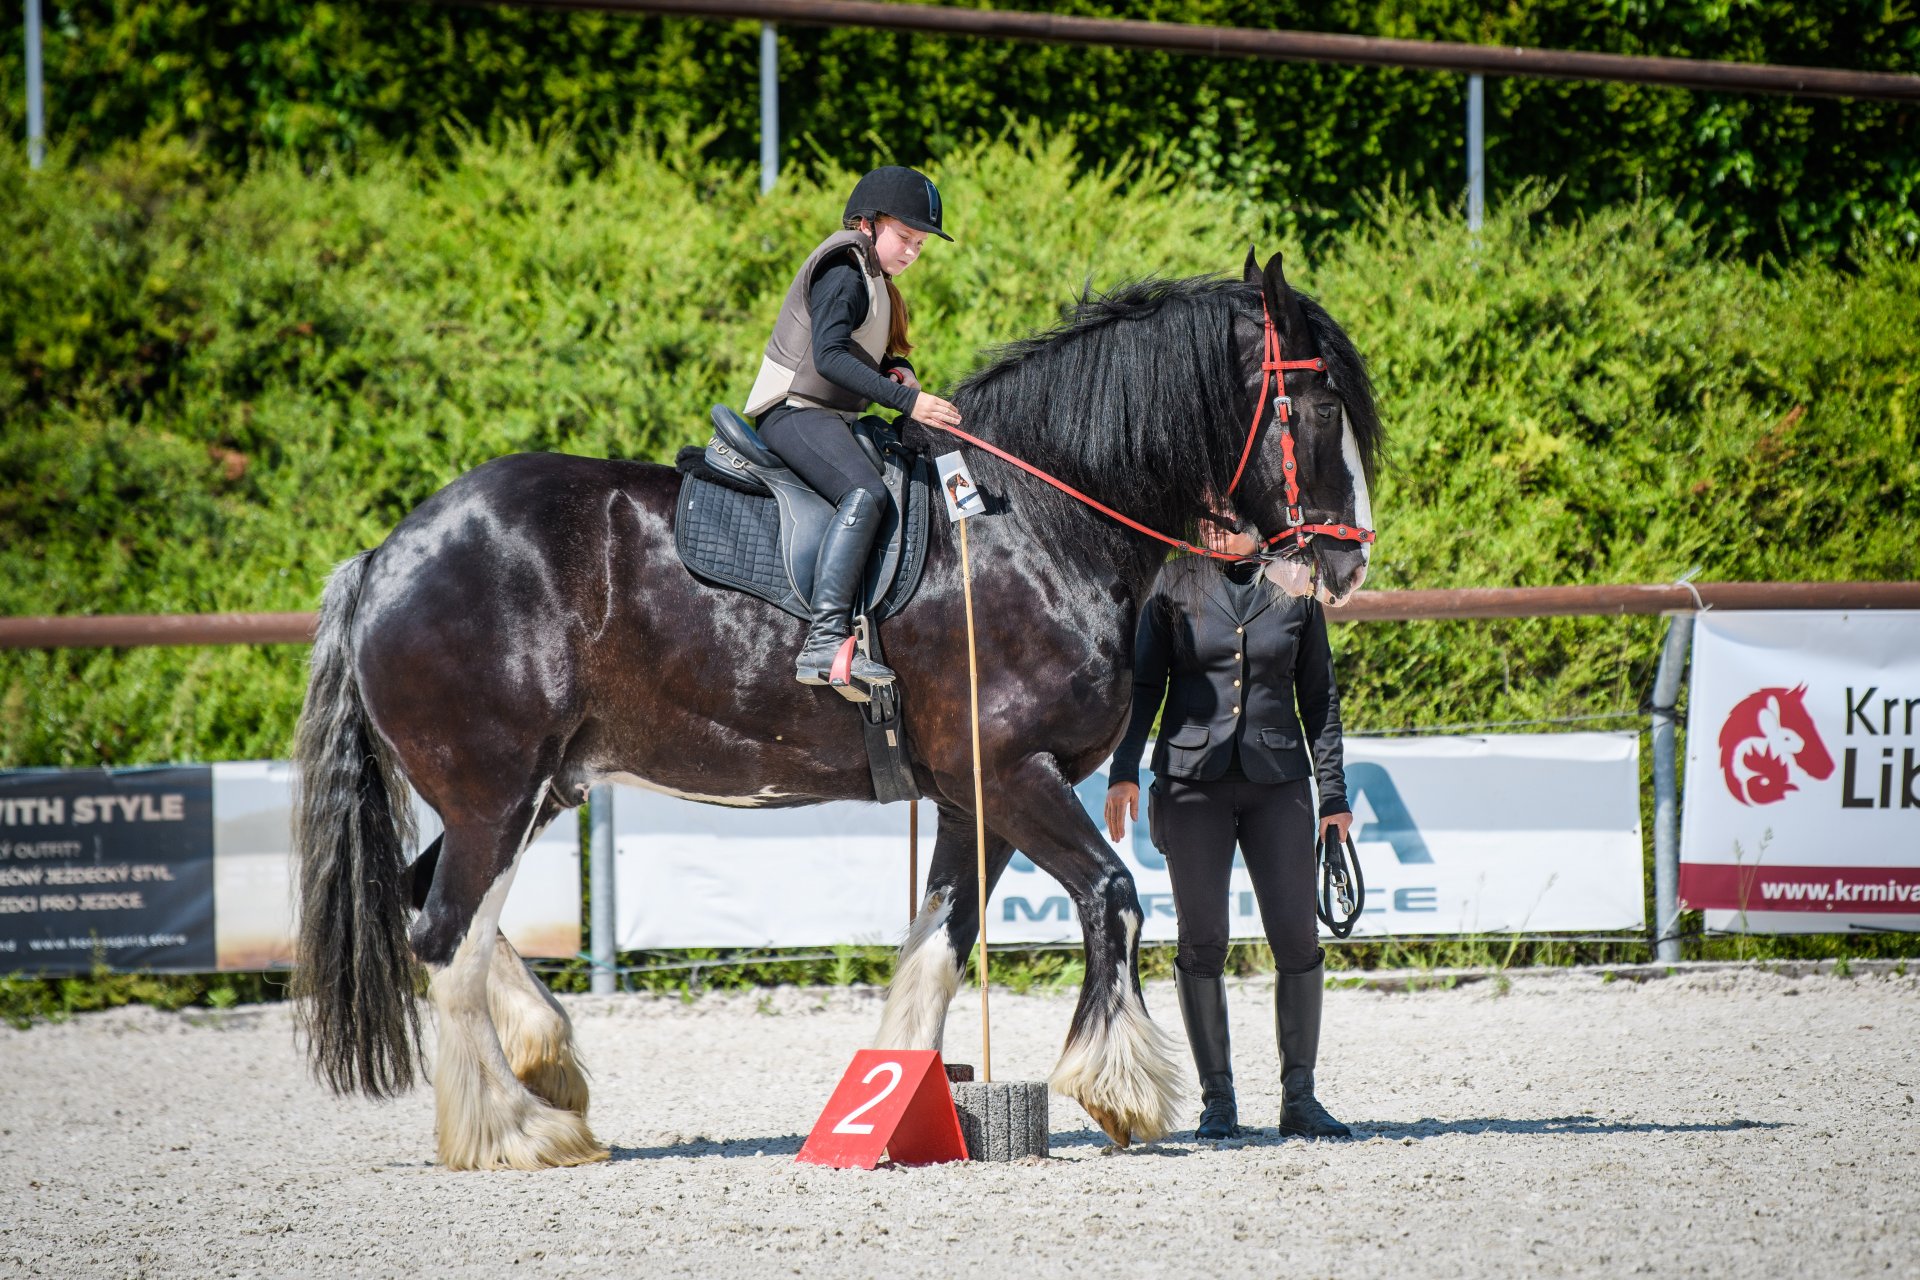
(1289, 46)
(131, 630)
(1477, 61)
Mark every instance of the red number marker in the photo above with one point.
(891, 1104)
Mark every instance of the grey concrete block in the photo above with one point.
(1004, 1119)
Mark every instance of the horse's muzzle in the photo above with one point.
(1330, 571)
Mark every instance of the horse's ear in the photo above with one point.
(1285, 306)
(1250, 274)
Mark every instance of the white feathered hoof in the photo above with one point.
(535, 1033)
(1126, 1075)
(510, 1130)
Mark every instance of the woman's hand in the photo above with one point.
(934, 411)
(1123, 800)
(904, 377)
(1340, 822)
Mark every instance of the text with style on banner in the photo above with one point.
(106, 866)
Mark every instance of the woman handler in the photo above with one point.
(1232, 657)
(840, 345)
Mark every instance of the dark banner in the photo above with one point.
(109, 866)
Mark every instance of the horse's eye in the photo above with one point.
(1326, 412)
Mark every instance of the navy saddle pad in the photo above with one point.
(746, 522)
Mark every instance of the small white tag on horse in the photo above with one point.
(956, 482)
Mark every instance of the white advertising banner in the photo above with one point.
(1802, 807)
(1457, 835)
(253, 873)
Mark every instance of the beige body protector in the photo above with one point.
(787, 374)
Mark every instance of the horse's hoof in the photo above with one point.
(1111, 1125)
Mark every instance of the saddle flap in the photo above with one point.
(766, 544)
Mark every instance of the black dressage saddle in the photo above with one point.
(745, 521)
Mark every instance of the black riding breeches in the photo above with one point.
(1197, 824)
(818, 445)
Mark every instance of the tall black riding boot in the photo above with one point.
(1203, 1007)
(1297, 999)
(837, 573)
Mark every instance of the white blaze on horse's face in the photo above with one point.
(1362, 500)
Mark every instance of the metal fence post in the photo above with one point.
(1476, 152)
(1666, 792)
(769, 106)
(36, 108)
(601, 948)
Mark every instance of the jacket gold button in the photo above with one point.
(1236, 684)
(1236, 706)
(1236, 657)
(1239, 630)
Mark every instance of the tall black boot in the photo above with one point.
(1203, 1007)
(1297, 999)
(837, 573)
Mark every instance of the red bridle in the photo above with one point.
(1297, 527)
(1271, 364)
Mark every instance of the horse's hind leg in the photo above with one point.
(535, 1032)
(932, 959)
(485, 1117)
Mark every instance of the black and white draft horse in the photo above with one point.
(529, 631)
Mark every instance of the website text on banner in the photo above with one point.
(1802, 806)
(1505, 833)
(188, 869)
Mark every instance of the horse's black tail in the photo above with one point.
(351, 827)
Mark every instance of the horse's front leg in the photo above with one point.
(1117, 1063)
(932, 960)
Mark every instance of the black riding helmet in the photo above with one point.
(898, 192)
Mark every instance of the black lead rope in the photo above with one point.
(1342, 887)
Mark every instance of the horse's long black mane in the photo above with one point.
(1138, 398)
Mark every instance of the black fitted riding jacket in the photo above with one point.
(1232, 660)
(837, 301)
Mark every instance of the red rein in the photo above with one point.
(1297, 528)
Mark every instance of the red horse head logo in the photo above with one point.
(1765, 734)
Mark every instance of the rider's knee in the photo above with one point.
(1202, 959)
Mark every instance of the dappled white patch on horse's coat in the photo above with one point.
(924, 979)
(764, 796)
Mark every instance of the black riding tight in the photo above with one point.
(1197, 824)
(819, 447)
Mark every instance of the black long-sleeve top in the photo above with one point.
(1240, 672)
(837, 301)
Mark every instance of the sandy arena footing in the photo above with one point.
(1731, 1122)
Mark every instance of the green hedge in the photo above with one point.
(1308, 143)
(214, 387)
